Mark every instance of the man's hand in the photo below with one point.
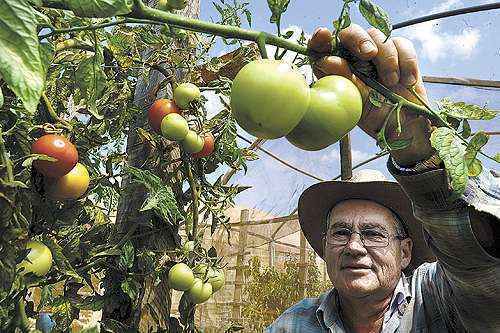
(397, 68)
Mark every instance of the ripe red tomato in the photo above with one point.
(159, 109)
(58, 147)
(208, 146)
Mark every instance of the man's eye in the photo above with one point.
(373, 233)
(342, 232)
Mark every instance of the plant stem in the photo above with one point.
(96, 26)
(5, 158)
(261, 43)
(194, 193)
(53, 113)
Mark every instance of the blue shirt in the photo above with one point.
(460, 292)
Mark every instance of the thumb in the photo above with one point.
(332, 65)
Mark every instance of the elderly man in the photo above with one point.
(402, 257)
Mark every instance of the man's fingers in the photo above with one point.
(321, 41)
(387, 60)
(333, 66)
(358, 41)
(408, 63)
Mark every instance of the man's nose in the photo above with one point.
(355, 245)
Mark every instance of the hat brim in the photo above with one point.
(316, 202)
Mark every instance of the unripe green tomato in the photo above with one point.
(200, 292)
(174, 127)
(334, 110)
(193, 143)
(163, 5)
(185, 93)
(177, 4)
(217, 279)
(38, 260)
(180, 277)
(269, 98)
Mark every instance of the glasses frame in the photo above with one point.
(361, 237)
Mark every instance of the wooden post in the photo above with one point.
(271, 253)
(345, 158)
(238, 280)
(302, 264)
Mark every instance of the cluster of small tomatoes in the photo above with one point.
(165, 117)
(198, 283)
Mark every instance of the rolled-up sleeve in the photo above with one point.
(468, 276)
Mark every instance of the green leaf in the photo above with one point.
(277, 7)
(452, 152)
(466, 130)
(475, 144)
(161, 199)
(33, 157)
(93, 329)
(475, 167)
(91, 80)
(126, 259)
(497, 157)
(461, 110)
(376, 98)
(248, 15)
(344, 20)
(376, 16)
(100, 8)
(60, 260)
(20, 60)
(131, 288)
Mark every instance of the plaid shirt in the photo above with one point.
(460, 292)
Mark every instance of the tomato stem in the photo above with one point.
(194, 194)
(5, 159)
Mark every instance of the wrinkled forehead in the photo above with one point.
(361, 213)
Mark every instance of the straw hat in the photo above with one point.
(316, 202)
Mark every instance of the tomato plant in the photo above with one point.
(334, 109)
(158, 110)
(269, 98)
(59, 148)
(70, 186)
(38, 260)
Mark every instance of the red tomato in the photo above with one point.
(58, 147)
(159, 109)
(208, 146)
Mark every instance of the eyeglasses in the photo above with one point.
(370, 238)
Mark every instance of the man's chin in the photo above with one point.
(359, 285)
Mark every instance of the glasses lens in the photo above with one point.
(374, 238)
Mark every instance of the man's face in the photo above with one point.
(354, 269)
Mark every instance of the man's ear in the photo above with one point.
(406, 247)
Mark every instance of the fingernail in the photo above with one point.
(392, 78)
(367, 47)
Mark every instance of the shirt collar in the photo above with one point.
(328, 310)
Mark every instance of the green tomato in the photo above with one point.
(193, 143)
(169, 5)
(174, 127)
(335, 109)
(217, 279)
(269, 98)
(185, 93)
(200, 291)
(180, 277)
(39, 259)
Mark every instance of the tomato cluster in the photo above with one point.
(165, 117)
(64, 177)
(271, 99)
(199, 283)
